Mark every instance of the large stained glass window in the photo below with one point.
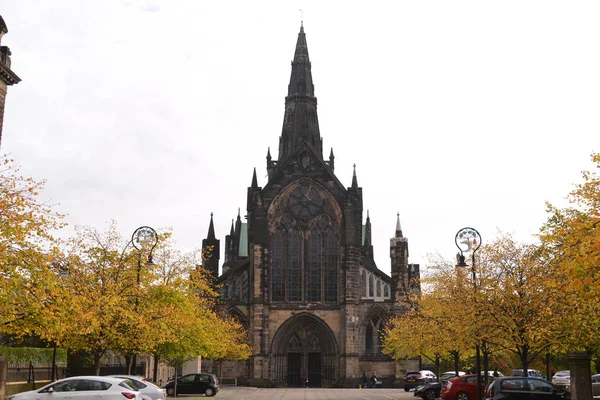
(330, 265)
(313, 276)
(278, 266)
(305, 246)
(294, 266)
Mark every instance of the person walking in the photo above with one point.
(365, 380)
(374, 380)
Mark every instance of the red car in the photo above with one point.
(462, 388)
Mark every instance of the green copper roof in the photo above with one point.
(243, 250)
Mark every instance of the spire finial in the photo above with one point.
(367, 213)
(301, 18)
(211, 229)
(254, 180)
(354, 180)
(398, 227)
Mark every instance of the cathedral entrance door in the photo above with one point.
(304, 352)
(294, 364)
(314, 369)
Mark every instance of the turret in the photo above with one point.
(211, 250)
(368, 244)
(404, 275)
(7, 76)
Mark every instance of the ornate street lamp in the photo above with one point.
(142, 238)
(468, 240)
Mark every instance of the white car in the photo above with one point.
(83, 388)
(562, 378)
(148, 389)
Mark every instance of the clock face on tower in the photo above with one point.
(305, 201)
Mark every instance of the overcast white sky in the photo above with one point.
(456, 113)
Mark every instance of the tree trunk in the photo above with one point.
(524, 359)
(155, 372)
(97, 359)
(128, 362)
(456, 358)
(437, 367)
(486, 363)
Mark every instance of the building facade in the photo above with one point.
(300, 273)
(7, 76)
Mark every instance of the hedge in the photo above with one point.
(36, 355)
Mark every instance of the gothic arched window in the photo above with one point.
(278, 266)
(378, 288)
(363, 290)
(330, 267)
(369, 338)
(370, 285)
(294, 266)
(304, 246)
(313, 277)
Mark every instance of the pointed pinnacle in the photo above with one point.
(398, 227)
(232, 231)
(254, 180)
(354, 181)
(211, 229)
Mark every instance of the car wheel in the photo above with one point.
(429, 395)
(462, 396)
(209, 392)
(406, 389)
(171, 391)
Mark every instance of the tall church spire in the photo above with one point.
(354, 180)
(300, 122)
(211, 229)
(398, 227)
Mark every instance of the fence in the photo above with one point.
(33, 372)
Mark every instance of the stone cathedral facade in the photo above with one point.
(300, 273)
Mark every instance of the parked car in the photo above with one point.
(148, 389)
(530, 372)
(596, 385)
(206, 384)
(416, 378)
(450, 374)
(562, 378)
(429, 391)
(461, 388)
(521, 387)
(83, 388)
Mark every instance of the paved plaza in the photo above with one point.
(243, 393)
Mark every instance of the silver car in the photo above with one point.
(83, 388)
(596, 385)
(148, 389)
(562, 378)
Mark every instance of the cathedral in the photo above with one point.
(299, 273)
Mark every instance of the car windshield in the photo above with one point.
(563, 373)
(413, 375)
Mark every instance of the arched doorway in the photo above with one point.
(304, 352)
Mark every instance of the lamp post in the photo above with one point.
(143, 237)
(468, 240)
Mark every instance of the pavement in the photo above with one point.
(250, 393)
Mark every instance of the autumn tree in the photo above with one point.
(571, 245)
(438, 327)
(168, 311)
(514, 299)
(32, 302)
